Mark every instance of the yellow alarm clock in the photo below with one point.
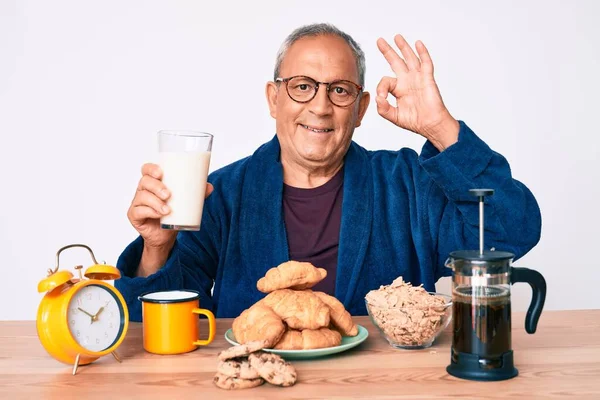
(80, 320)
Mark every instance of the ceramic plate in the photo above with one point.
(347, 343)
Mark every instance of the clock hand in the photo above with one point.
(85, 312)
(95, 317)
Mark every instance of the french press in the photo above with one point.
(481, 314)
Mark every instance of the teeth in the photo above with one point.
(317, 130)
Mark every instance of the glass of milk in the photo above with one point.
(184, 157)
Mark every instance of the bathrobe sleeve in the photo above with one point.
(512, 215)
(192, 264)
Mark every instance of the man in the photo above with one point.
(312, 194)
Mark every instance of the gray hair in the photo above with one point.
(317, 30)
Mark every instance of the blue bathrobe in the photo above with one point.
(402, 214)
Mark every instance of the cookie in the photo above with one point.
(241, 350)
(229, 383)
(273, 368)
(237, 368)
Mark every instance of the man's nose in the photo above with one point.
(320, 104)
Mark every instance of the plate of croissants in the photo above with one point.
(294, 321)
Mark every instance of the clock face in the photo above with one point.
(95, 318)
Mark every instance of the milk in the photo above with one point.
(185, 175)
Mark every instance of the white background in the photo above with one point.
(85, 86)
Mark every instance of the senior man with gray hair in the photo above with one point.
(313, 194)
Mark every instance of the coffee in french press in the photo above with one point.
(481, 311)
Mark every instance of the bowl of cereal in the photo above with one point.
(408, 316)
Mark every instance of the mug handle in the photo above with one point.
(211, 326)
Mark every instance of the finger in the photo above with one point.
(396, 62)
(385, 109)
(141, 213)
(407, 52)
(426, 62)
(154, 186)
(147, 199)
(152, 170)
(209, 190)
(386, 85)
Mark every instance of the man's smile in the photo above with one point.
(316, 129)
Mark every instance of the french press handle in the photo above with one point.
(538, 286)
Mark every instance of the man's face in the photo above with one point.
(324, 58)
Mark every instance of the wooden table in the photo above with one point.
(561, 359)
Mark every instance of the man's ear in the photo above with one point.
(272, 91)
(363, 104)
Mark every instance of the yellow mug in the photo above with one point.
(170, 322)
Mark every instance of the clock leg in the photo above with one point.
(116, 356)
(76, 365)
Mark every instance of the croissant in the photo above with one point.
(291, 275)
(298, 309)
(340, 318)
(309, 339)
(258, 323)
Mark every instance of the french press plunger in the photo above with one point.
(481, 316)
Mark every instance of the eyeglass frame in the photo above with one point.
(327, 88)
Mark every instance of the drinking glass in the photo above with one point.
(184, 157)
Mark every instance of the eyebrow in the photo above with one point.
(337, 78)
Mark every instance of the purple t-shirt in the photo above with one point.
(312, 220)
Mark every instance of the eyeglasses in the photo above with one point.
(303, 89)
